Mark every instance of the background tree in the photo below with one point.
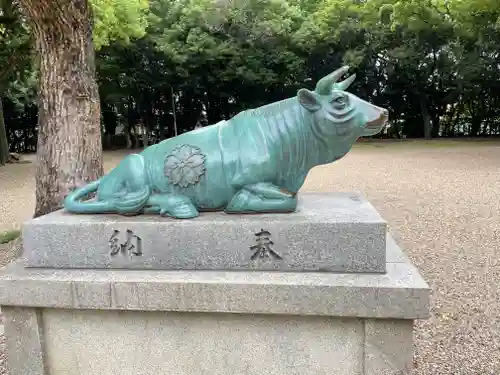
(69, 139)
(14, 62)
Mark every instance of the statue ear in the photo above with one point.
(308, 100)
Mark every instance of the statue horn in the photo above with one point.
(72, 204)
(324, 85)
(344, 85)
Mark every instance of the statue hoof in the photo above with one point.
(246, 202)
(239, 203)
(181, 211)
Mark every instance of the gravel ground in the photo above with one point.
(441, 200)
(3, 365)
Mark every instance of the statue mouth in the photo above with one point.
(378, 122)
(290, 193)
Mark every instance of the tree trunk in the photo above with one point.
(475, 126)
(129, 139)
(145, 138)
(161, 127)
(4, 143)
(435, 126)
(137, 137)
(426, 118)
(69, 141)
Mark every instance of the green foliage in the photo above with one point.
(9, 236)
(15, 47)
(114, 21)
(15, 63)
(233, 37)
(118, 20)
(433, 64)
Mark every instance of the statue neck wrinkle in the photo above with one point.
(330, 147)
(296, 147)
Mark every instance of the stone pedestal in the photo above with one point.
(328, 232)
(212, 321)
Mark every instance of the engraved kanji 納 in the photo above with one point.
(132, 244)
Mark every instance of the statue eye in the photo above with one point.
(339, 101)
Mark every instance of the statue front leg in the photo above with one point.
(262, 197)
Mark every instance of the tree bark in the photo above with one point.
(426, 118)
(435, 126)
(475, 126)
(162, 120)
(69, 140)
(4, 143)
(145, 137)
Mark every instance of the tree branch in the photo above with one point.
(8, 20)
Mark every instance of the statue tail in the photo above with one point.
(129, 203)
(72, 203)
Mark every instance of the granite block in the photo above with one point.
(388, 347)
(336, 232)
(401, 293)
(394, 254)
(85, 342)
(24, 339)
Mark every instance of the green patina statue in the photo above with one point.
(253, 163)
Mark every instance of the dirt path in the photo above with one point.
(17, 189)
(443, 204)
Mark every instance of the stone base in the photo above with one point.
(335, 232)
(131, 322)
(84, 342)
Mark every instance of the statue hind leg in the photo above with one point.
(124, 190)
(262, 197)
(136, 185)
